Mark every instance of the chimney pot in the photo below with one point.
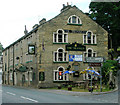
(67, 3)
(63, 5)
(25, 32)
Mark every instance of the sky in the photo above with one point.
(15, 14)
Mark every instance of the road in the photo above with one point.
(24, 95)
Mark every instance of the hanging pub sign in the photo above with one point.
(31, 49)
(75, 47)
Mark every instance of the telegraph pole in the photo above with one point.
(101, 78)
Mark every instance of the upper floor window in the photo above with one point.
(90, 53)
(89, 38)
(60, 55)
(74, 20)
(60, 37)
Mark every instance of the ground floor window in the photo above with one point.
(58, 74)
(41, 76)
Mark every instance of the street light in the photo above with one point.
(111, 41)
(111, 50)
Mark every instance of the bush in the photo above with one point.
(108, 66)
(70, 87)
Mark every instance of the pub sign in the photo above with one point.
(75, 47)
(75, 58)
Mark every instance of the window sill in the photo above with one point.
(90, 44)
(59, 43)
(60, 61)
(61, 81)
(74, 24)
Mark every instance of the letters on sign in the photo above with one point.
(75, 47)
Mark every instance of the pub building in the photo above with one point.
(62, 43)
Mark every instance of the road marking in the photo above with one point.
(11, 93)
(28, 99)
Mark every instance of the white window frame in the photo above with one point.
(86, 53)
(67, 76)
(57, 60)
(93, 38)
(71, 21)
(63, 38)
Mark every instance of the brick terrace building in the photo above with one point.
(39, 57)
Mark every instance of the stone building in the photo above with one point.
(1, 61)
(40, 57)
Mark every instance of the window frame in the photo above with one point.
(85, 54)
(92, 39)
(56, 75)
(57, 34)
(56, 55)
(70, 20)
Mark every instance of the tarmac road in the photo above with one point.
(25, 95)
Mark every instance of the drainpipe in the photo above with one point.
(13, 65)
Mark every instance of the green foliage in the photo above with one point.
(69, 85)
(111, 50)
(108, 66)
(118, 49)
(107, 14)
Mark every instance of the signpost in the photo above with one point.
(94, 60)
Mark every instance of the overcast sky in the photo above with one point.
(15, 14)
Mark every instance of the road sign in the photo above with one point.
(94, 59)
(95, 64)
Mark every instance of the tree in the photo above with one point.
(107, 14)
(108, 67)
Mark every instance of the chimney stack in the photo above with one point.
(25, 32)
(63, 5)
(67, 3)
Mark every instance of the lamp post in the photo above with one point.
(110, 35)
(111, 41)
(101, 79)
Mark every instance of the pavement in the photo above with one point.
(76, 93)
